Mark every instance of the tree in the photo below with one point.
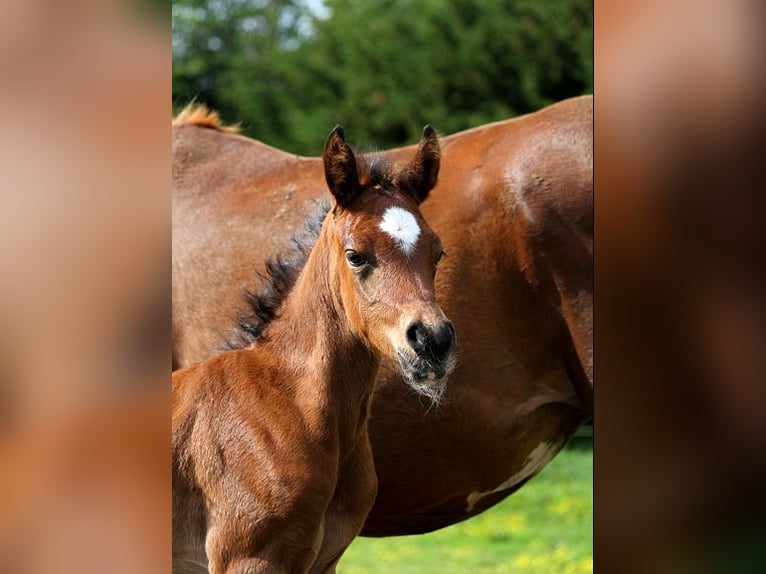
(227, 54)
(383, 68)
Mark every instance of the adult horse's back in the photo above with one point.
(233, 205)
(513, 207)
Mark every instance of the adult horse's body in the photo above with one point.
(272, 466)
(513, 208)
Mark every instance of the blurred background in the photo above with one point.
(289, 70)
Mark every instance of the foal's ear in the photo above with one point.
(419, 176)
(340, 167)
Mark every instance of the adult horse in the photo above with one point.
(514, 209)
(272, 466)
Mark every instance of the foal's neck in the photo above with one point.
(313, 335)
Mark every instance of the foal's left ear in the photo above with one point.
(419, 176)
(340, 167)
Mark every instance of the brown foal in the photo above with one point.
(272, 466)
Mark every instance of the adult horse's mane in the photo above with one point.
(283, 269)
(195, 114)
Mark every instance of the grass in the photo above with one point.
(544, 528)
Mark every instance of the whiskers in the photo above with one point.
(434, 391)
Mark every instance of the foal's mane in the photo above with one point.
(283, 269)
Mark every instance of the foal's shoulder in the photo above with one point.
(212, 376)
(237, 375)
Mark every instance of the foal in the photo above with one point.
(272, 467)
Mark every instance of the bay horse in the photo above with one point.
(272, 465)
(514, 209)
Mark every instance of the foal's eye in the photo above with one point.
(355, 259)
(439, 257)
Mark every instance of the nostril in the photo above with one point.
(412, 335)
(450, 329)
(446, 337)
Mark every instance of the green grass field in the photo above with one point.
(544, 528)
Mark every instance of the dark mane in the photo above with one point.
(280, 276)
(283, 270)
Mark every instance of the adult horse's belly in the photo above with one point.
(440, 465)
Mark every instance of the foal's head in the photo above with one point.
(385, 257)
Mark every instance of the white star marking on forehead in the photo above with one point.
(401, 225)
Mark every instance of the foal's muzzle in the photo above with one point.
(431, 342)
(431, 346)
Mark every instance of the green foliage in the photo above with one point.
(383, 68)
(546, 527)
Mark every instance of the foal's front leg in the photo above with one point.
(239, 542)
(354, 496)
(235, 546)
